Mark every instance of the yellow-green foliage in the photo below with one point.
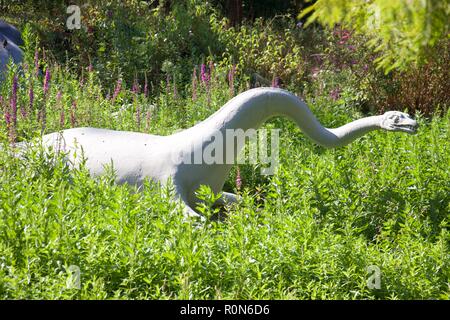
(310, 231)
(402, 31)
(264, 48)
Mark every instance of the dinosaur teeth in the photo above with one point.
(411, 127)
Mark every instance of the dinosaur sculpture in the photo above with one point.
(11, 33)
(136, 156)
(10, 40)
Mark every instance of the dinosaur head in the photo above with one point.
(398, 121)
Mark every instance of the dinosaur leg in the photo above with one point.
(224, 203)
(188, 211)
(227, 199)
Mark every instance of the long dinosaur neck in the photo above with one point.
(252, 108)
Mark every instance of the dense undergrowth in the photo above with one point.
(311, 231)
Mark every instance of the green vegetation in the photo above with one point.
(403, 31)
(308, 232)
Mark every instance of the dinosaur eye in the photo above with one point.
(396, 119)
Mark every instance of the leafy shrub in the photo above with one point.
(268, 48)
(423, 88)
(128, 39)
(344, 69)
(313, 231)
(402, 32)
(308, 232)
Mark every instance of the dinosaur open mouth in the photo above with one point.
(409, 128)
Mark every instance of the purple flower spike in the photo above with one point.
(62, 118)
(204, 76)
(14, 87)
(8, 120)
(14, 101)
(47, 81)
(31, 96)
(138, 117)
(135, 88)
(13, 112)
(238, 179)
(117, 89)
(276, 82)
(7, 117)
(73, 119)
(58, 96)
(23, 112)
(335, 94)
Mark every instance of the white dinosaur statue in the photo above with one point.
(136, 156)
(10, 40)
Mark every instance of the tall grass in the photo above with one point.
(308, 232)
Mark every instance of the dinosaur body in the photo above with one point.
(136, 156)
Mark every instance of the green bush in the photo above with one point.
(403, 32)
(344, 69)
(313, 231)
(267, 48)
(310, 231)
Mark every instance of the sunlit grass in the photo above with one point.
(308, 232)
